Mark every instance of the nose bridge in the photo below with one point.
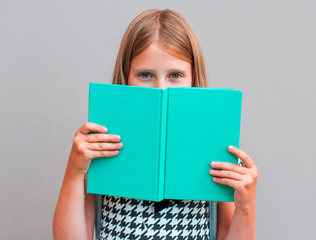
(160, 82)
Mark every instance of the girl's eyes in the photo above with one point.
(176, 75)
(146, 75)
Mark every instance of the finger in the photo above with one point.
(92, 127)
(242, 155)
(226, 181)
(97, 154)
(92, 138)
(104, 146)
(229, 166)
(226, 174)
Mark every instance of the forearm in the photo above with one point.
(243, 224)
(244, 181)
(69, 218)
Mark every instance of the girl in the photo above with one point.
(159, 49)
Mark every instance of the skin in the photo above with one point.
(75, 210)
(154, 67)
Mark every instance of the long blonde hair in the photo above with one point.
(172, 31)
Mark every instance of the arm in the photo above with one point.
(225, 212)
(89, 211)
(70, 219)
(75, 210)
(244, 181)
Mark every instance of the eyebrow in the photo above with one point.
(153, 71)
(144, 70)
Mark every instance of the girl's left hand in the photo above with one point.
(242, 178)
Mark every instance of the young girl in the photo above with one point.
(159, 49)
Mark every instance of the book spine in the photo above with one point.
(163, 143)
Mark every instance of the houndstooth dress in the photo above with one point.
(126, 218)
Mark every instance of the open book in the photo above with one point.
(170, 136)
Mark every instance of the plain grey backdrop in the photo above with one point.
(51, 50)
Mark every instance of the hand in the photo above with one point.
(242, 178)
(88, 146)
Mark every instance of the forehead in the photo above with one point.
(154, 56)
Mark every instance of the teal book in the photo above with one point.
(170, 136)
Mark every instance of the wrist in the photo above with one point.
(247, 208)
(74, 174)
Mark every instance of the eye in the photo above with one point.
(176, 75)
(145, 75)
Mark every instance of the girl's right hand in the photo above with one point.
(86, 146)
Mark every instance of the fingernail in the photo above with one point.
(230, 148)
(213, 164)
(104, 129)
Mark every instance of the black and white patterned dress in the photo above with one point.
(126, 218)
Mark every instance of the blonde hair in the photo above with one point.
(172, 32)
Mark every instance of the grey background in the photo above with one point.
(51, 50)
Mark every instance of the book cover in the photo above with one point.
(169, 138)
(202, 123)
